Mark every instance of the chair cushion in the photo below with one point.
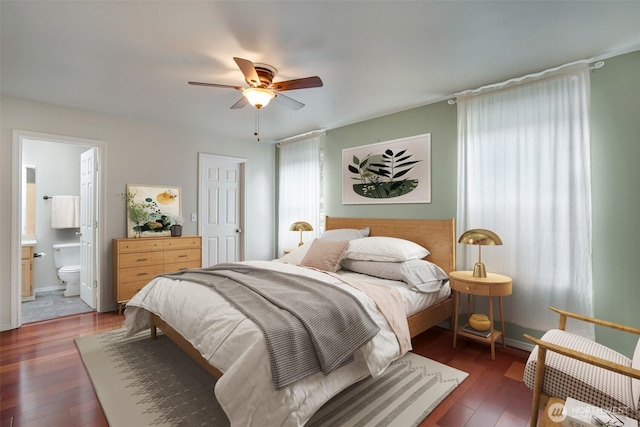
(566, 377)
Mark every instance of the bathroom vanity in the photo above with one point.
(27, 273)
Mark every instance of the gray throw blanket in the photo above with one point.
(309, 326)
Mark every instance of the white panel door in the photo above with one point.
(88, 224)
(221, 201)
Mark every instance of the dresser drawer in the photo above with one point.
(177, 266)
(139, 259)
(182, 243)
(140, 245)
(134, 274)
(182, 255)
(128, 290)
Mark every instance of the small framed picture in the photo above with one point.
(152, 209)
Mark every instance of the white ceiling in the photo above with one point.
(134, 58)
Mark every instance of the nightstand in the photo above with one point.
(494, 285)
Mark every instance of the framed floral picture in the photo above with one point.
(152, 210)
(396, 171)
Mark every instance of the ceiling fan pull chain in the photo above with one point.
(257, 128)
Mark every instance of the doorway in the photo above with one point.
(221, 208)
(60, 168)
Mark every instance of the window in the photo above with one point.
(300, 189)
(524, 173)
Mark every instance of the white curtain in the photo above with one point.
(524, 173)
(299, 195)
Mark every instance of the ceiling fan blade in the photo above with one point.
(288, 102)
(304, 83)
(241, 103)
(216, 85)
(249, 71)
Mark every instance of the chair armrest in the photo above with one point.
(586, 358)
(564, 314)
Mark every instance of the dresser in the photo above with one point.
(136, 261)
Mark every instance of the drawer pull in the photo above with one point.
(141, 274)
(182, 256)
(468, 288)
(142, 259)
(182, 269)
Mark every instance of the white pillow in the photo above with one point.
(420, 275)
(423, 276)
(383, 269)
(296, 256)
(379, 248)
(345, 234)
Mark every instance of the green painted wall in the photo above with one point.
(437, 119)
(615, 126)
(615, 165)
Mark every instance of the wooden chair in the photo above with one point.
(566, 365)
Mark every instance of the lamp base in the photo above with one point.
(479, 270)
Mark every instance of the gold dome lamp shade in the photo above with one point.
(480, 237)
(300, 226)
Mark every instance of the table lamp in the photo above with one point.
(480, 237)
(301, 226)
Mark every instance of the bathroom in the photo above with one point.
(53, 169)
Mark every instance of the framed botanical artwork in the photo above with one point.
(396, 171)
(152, 210)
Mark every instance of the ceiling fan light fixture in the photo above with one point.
(258, 97)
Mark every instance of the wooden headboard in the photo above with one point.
(438, 236)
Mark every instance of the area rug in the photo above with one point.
(141, 382)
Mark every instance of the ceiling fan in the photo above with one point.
(262, 89)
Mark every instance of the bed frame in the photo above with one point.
(436, 235)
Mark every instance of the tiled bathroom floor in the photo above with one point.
(49, 305)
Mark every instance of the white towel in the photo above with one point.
(65, 212)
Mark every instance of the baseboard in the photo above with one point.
(527, 346)
(49, 289)
(108, 308)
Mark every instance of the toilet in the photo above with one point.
(66, 257)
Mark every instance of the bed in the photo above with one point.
(238, 349)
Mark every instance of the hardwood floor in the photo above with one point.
(492, 395)
(43, 381)
(42, 378)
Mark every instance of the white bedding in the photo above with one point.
(414, 302)
(246, 391)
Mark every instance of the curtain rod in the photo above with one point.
(305, 135)
(595, 66)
